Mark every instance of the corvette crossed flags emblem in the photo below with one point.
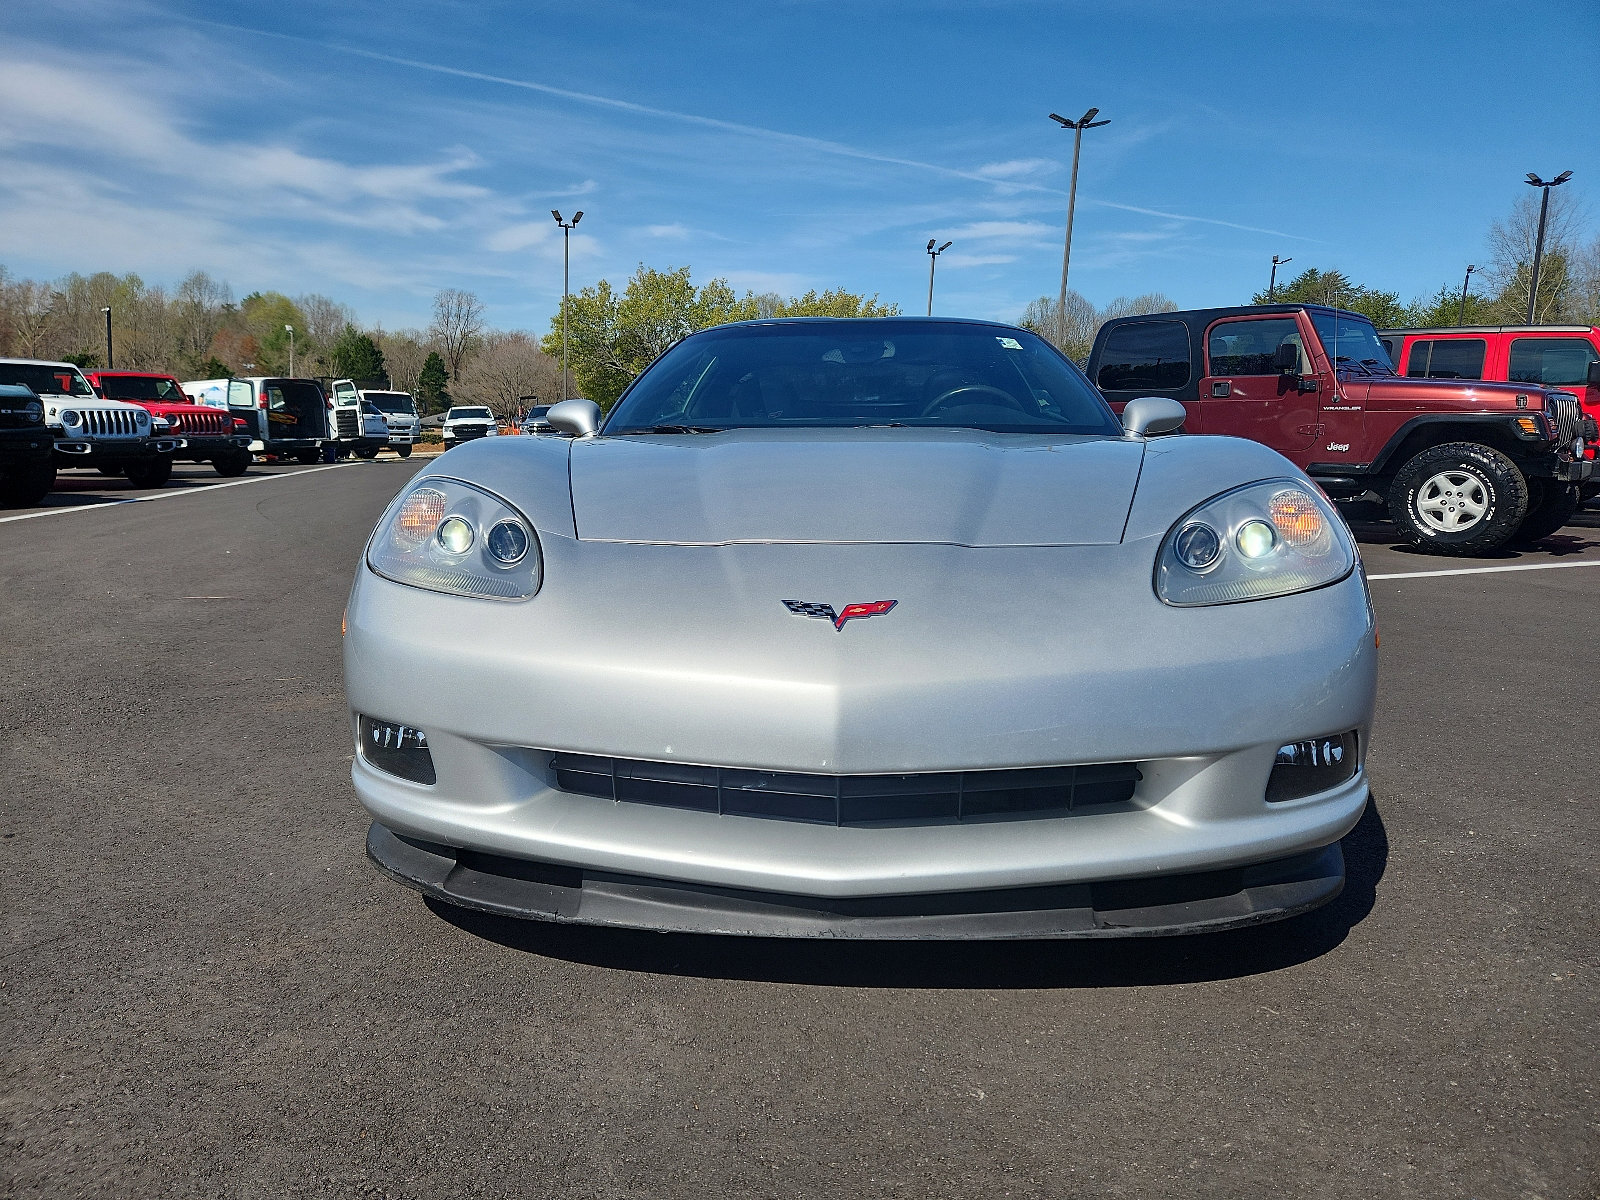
(850, 612)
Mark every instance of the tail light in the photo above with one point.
(240, 423)
(263, 403)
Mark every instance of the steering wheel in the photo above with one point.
(972, 389)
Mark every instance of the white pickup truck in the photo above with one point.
(353, 409)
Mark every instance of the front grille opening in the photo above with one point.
(926, 798)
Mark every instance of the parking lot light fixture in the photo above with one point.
(1087, 121)
(1272, 284)
(1538, 246)
(109, 363)
(1461, 313)
(289, 329)
(566, 287)
(933, 257)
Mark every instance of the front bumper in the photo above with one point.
(87, 452)
(205, 447)
(24, 449)
(469, 433)
(1201, 902)
(700, 662)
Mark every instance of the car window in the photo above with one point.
(241, 394)
(1446, 358)
(856, 373)
(1145, 355)
(1554, 362)
(470, 414)
(392, 402)
(1248, 347)
(141, 387)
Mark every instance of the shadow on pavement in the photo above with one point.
(1010, 964)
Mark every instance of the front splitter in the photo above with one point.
(1149, 907)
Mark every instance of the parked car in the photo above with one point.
(906, 637)
(1550, 356)
(27, 469)
(465, 422)
(205, 434)
(537, 420)
(88, 431)
(400, 412)
(1463, 467)
(287, 418)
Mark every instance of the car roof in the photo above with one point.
(135, 374)
(40, 362)
(876, 322)
(1534, 329)
(1197, 316)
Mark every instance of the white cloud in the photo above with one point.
(675, 232)
(1016, 166)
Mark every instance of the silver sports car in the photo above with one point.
(864, 628)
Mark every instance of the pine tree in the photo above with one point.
(431, 393)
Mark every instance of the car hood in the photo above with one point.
(943, 486)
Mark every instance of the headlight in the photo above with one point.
(1272, 538)
(69, 416)
(449, 536)
(141, 417)
(33, 410)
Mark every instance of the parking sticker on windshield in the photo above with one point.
(1010, 343)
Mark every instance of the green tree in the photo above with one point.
(612, 337)
(1335, 289)
(264, 315)
(432, 395)
(1445, 308)
(213, 368)
(356, 356)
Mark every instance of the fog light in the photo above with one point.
(1305, 768)
(508, 542)
(398, 749)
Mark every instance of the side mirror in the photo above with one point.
(1287, 358)
(579, 418)
(1594, 374)
(1151, 415)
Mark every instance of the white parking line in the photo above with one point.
(173, 495)
(1487, 570)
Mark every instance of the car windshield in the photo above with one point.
(142, 387)
(863, 373)
(1352, 341)
(470, 414)
(392, 402)
(538, 410)
(46, 380)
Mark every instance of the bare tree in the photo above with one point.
(26, 305)
(1585, 304)
(1512, 241)
(325, 318)
(1073, 332)
(404, 351)
(508, 368)
(457, 322)
(197, 313)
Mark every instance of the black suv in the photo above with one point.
(26, 472)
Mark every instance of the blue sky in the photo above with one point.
(379, 152)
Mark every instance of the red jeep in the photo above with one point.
(1464, 467)
(208, 434)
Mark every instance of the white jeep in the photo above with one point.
(114, 437)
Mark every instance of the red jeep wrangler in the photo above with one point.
(208, 434)
(1464, 467)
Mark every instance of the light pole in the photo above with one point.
(109, 363)
(290, 330)
(566, 284)
(1087, 121)
(1538, 248)
(1461, 313)
(1272, 284)
(933, 257)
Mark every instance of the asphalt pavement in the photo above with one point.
(207, 991)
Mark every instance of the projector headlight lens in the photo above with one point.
(1272, 538)
(448, 536)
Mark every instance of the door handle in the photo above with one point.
(1221, 387)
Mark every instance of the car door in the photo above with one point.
(1244, 394)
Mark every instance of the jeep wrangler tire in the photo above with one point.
(150, 472)
(1458, 498)
(367, 452)
(23, 489)
(1550, 506)
(403, 451)
(229, 465)
(309, 458)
